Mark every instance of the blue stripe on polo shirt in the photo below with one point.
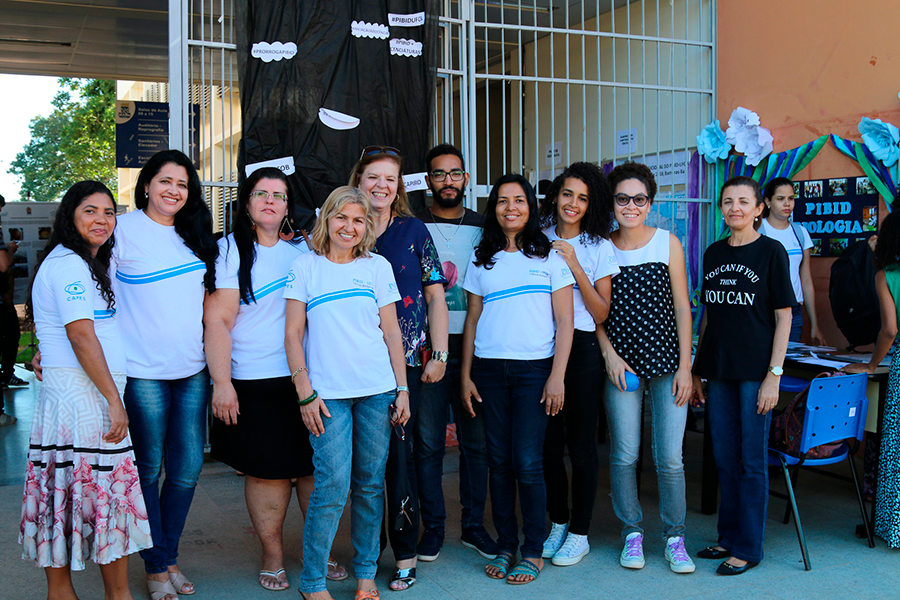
(268, 289)
(100, 315)
(160, 275)
(340, 295)
(795, 251)
(517, 291)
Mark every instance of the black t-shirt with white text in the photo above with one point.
(743, 286)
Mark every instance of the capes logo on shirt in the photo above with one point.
(290, 278)
(363, 284)
(75, 291)
(539, 273)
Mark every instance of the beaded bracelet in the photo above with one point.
(402, 388)
(315, 395)
(297, 372)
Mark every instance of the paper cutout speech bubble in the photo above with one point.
(404, 47)
(267, 52)
(369, 30)
(285, 164)
(337, 120)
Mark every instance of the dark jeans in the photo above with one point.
(430, 440)
(403, 543)
(740, 439)
(796, 323)
(9, 342)
(576, 426)
(515, 422)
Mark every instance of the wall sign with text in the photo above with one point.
(836, 212)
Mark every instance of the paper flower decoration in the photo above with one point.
(748, 137)
(711, 143)
(881, 139)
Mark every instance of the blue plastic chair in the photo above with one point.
(792, 384)
(835, 410)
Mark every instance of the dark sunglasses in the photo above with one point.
(455, 175)
(639, 199)
(373, 150)
(395, 421)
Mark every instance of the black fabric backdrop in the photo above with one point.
(391, 95)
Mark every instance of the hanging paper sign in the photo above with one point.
(267, 52)
(369, 30)
(413, 20)
(415, 182)
(403, 47)
(836, 212)
(337, 120)
(284, 164)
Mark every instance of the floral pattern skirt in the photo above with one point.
(82, 494)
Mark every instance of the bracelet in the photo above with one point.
(297, 372)
(402, 388)
(315, 395)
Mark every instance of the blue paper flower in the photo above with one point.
(881, 139)
(711, 143)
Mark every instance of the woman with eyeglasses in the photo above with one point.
(647, 334)
(341, 303)
(576, 214)
(516, 344)
(254, 401)
(422, 312)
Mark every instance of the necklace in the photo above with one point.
(447, 240)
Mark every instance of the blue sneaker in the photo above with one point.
(633, 553)
(480, 540)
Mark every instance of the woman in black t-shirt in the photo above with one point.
(743, 338)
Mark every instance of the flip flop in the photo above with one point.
(336, 571)
(160, 589)
(274, 575)
(525, 567)
(407, 576)
(178, 581)
(501, 563)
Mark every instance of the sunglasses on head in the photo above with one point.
(639, 199)
(373, 150)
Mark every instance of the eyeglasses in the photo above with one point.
(455, 175)
(264, 195)
(395, 421)
(373, 150)
(639, 199)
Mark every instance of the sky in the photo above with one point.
(22, 97)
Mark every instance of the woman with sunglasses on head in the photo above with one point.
(516, 344)
(341, 303)
(405, 242)
(82, 495)
(576, 213)
(648, 335)
(254, 401)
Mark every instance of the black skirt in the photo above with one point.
(270, 440)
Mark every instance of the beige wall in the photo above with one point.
(810, 68)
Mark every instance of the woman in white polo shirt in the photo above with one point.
(165, 259)
(351, 381)
(516, 344)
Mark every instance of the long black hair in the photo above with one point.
(531, 240)
(64, 233)
(770, 190)
(193, 223)
(244, 232)
(596, 221)
(887, 247)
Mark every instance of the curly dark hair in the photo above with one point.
(64, 233)
(531, 240)
(634, 170)
(597, 220)
(887, 247)
(193, 223)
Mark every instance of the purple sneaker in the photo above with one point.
(633, 553)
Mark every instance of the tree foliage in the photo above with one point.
(76, 141)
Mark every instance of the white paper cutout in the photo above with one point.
(285, 164)
(267, 52)
(415, 182)
(369, 30)
(410, 20)
(745, 133)
(404, 47)
(337, 120)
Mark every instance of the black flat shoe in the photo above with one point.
(729, 569)
(713, 552)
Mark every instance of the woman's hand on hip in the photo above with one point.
(767, 397)
(118, 428)
(225, 403)
(554, 395)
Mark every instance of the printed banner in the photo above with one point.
(836, 212)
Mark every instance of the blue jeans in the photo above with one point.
(796, 323)
(740, 440)
(429, 442)
(623, 411)
(349, 457)
(167, 421)
(515, 423)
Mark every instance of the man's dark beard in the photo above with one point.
(447, 202)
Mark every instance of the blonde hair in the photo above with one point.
(334, 204)
(400, 205)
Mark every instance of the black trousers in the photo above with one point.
(400, 479)
(9, 343)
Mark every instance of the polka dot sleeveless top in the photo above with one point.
(641, 322)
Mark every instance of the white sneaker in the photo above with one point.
(632, 556)
(573, 550)
(678, 558)
(555, 540)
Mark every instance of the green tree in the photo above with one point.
(76, 141)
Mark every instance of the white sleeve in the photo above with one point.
(227, 264)
(298, 277)
(473, 278)
(72, 287)
(560, 273)
(606, 261)
(386, 291)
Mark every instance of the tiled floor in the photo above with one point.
(221, 554)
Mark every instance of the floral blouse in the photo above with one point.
(409, 248)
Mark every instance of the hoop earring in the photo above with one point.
(286, 232)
